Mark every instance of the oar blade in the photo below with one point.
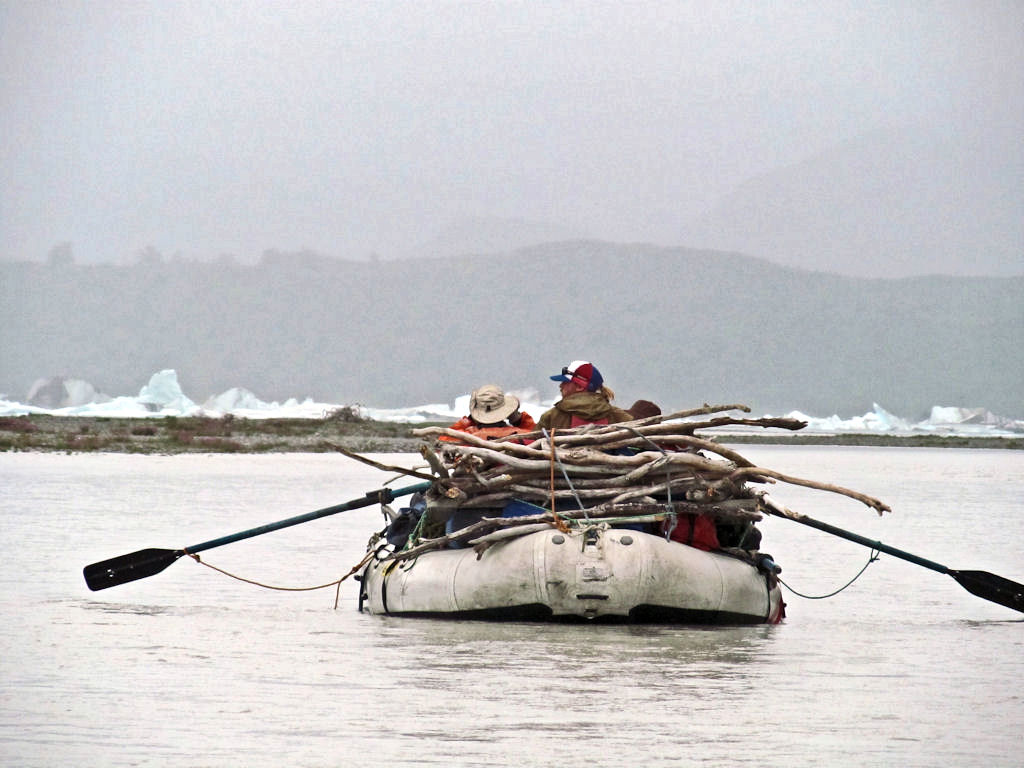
(131, 567)
(991, 587)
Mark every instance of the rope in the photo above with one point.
(668, 488)
(554, 458)
(874, 556)
(421, 523)
(552, 465)
(559, 522)
(336, 583)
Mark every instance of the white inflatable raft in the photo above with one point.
(596, 573)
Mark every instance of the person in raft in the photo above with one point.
(585, 399)
(493, 414)
(643, 409)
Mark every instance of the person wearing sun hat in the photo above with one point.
(585, 399)
(493, 414)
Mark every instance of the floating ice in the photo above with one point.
(163, 396)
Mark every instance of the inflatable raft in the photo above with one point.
(591, 572)
(633, 522)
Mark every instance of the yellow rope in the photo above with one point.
(558, 521)
(335, 583)
(552, 480)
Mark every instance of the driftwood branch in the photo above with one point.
(378, 465)
(434, 461)
(640, 470)
(618, 462)
(494, 529)
(756, 473)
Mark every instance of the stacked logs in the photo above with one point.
(653, 466)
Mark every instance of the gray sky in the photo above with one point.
(206, 127)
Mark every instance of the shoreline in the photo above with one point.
(198, 434)
(164, 435)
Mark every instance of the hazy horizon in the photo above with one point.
(667, 324)
(202, 129)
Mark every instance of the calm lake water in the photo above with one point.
(189, 667)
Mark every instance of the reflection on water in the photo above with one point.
(572, 646)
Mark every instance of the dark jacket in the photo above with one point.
(587, 407)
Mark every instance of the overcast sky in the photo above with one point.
(204, 128)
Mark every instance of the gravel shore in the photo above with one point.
(176, 434)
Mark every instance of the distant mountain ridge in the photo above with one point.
(675, 325)
(491, 235)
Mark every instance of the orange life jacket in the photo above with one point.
(466, 424)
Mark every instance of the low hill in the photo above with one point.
(674, 325)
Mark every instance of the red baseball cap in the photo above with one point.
(582, 373)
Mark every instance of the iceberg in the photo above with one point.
(58, 392)
(877, 420)
(162, 395)
(947, 415)
(237, 399)
(942, 421)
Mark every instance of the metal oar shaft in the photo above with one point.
(149, 562)
(380, 496)
(850, 536)
(987, 586)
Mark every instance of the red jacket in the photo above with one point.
(466, 424)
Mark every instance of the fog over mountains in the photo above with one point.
(894, 202)
(889, 203)
(870, 139)
(676, 325)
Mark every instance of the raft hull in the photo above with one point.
(596, 574)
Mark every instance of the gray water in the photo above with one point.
(189, 667)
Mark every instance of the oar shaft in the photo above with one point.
(796, 517)
(380, 496)
(987, 586)
(148, 562)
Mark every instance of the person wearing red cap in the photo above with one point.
(585, 399)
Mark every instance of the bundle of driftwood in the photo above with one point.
(638, 471)
(658, 465)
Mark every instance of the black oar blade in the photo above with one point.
(992, 587)
(125, 568)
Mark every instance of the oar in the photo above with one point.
(149, 562)
(981, 583)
